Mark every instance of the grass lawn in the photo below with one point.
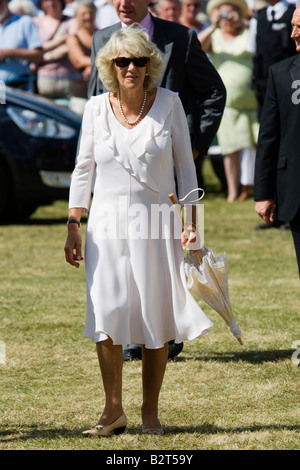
(217, 394)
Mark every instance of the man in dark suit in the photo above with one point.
(277, 172)
(272, 40)
(187, 70)
(270, 29)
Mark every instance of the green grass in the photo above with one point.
(217, 394)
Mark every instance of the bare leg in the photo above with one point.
(232, 167)
(111, 364)
(244, 192)
(154, 366)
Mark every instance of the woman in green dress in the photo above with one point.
(226, 41)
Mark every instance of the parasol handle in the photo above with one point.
(172, 198)
(193, 190)
(179, 213)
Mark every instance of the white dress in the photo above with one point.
(136, 290)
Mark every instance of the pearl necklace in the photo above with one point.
(132, 123)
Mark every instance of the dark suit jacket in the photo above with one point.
(277, 171)
(187, 70)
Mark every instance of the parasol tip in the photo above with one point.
(240, 341)
(172, 198)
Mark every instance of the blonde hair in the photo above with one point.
(131, 41)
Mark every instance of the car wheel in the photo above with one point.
(8, 211)
(4, 191)
(23, 213)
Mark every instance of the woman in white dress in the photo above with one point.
(132, 138)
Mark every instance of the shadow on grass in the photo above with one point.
(207, 428)
(34, 432)
(24, 433)
(252, 357)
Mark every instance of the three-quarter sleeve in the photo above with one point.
(83, 175)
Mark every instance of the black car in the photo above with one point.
(38, 142)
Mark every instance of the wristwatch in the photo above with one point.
(73, 221)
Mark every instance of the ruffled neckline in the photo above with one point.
(130, 146)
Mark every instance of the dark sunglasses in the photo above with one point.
(125, 61)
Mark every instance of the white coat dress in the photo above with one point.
(136, 291)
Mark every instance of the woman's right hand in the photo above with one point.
(215, 17)
(234, 17)
(73, 246)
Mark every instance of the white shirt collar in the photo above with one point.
(147, 24)
(279, 9)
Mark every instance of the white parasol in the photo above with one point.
(207, 278)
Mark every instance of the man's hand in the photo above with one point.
(266, 209)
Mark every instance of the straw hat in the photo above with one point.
(241, 4)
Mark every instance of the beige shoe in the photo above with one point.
(118, 426)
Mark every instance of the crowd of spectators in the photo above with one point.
(45, 46)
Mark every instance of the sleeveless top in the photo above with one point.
(80, 86)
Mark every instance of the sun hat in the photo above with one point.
(241, 4)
